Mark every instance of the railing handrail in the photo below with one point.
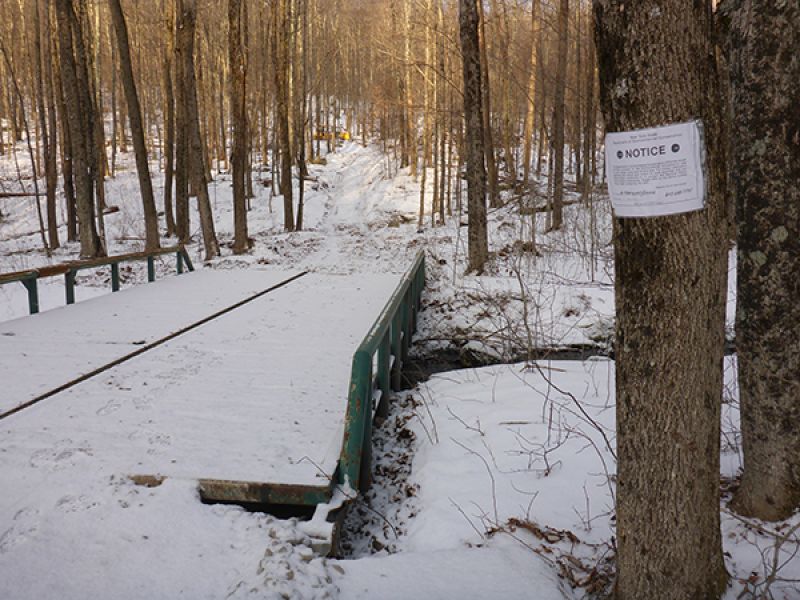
(378, 329)
(69, 269)
(76, 265)
(15, 276)
(388, 336)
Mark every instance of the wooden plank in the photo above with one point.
(17, 276)
(108, 260)
(77, 265)
(52, 270)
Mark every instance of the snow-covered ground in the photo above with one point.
(494, 482)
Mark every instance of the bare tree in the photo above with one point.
(473, 117)
(47, 119)
(558, 115)
(137, 129)
(169, 113)
(282, 85)
(670, 291)
(531, 99)
(238, 69)
(181, 125)
(486, 107)
(765, 96)
(197, 161)
(78, 111)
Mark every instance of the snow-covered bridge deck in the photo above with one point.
(257, 395)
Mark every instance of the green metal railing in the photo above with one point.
(377, 369)
(30, 278)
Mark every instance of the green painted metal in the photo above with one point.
(384, 373)
(16, 276)
(396, 345)
(33, 294)
(401, 310)
(114, 277)
(185, 257)
(69, 284)
(28, 279)
(212, 490)
(389, 338)
(70, 269)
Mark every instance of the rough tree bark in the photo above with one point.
(47, 120)
(197, 162)
(589, 125)
(478, 245)
(181, 128)
(300, 125)
(65, 145)
(169, 114)
(239, 112)
(486, 106)
(530, 113)
(79, 131)
(765, 97)
(282, 83)
(137, 129)
(670, 291)
(558, 115)
(409, 156)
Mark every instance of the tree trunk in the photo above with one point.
(79, 130)
(281, 46)
(169, 116)
(68, 179)
(589, 125)
(89, 104)
(486, 107)
(558, 115)
(576, 123)
(765, 88)
(478, 246)
(300, 126)
(114, 112)
(97, 145)
(239, 111)
(47, 118)
(670, 298)
(197, 162)
(411, 127)
(137, 129)
(426, 119)
(530, 114)
(182, 38)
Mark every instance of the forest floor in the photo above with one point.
(491, 481)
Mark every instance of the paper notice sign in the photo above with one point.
(658, 171)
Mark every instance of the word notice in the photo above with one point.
(658, 171)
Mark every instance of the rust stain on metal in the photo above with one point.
(263, 493)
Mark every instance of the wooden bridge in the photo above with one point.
(260, 385)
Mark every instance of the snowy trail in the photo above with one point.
(346, 218)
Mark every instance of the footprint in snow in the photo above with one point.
(61, 456)
(71, 504)
(111, 407)
(24, 527)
